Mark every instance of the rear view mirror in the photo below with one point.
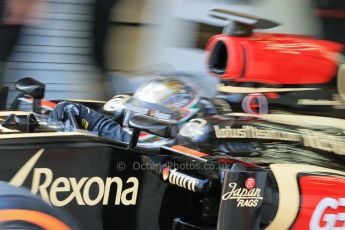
(31, 87)
(151, 125)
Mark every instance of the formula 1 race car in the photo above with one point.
(287, 72)
(233, 171)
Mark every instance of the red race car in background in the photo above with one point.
(276, 71)
(243, 56)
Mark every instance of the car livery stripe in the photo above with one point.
(289, 199)
(239, 89)
(19, 113)
(297, 120)
(22, 174)
(51, 134)
(189, 151)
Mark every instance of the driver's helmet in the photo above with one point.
(163, 98)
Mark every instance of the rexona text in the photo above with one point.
(70, 188)
(90, 191)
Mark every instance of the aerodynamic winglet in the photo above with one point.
(246, 19)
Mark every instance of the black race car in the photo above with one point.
(230, 171)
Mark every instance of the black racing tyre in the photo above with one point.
(19, 209)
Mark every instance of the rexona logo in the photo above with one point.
(180, 179)
(245, 197)
(329, 214)
(61, 191)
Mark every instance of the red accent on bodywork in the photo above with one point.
(189, 151)
(45, 103)
(48, 104)
(278, 58)
(314, 189)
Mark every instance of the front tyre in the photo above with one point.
(19, 209)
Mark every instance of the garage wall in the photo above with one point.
(125, 28)
(57, 51)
